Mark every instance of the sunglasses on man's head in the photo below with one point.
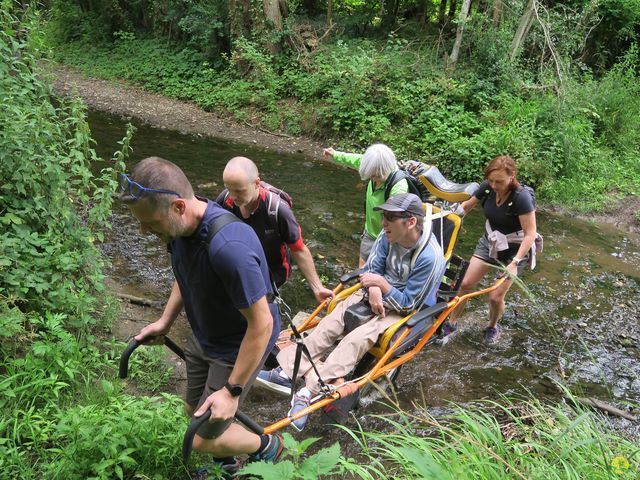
(390, 216)
(135, 190)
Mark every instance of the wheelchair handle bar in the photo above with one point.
(133, 344)
(196, 423)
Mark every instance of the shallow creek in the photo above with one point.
(581, 327)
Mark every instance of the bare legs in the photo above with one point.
(476, 271)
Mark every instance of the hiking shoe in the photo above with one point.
(272, 380)
(447, 332)
(272, 451)
(491, 335)
(229, 466)
(298, 403)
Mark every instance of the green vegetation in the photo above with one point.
(564, 101)
(62, 415)
(522, 440)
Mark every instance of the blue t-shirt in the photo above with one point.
(218, 279)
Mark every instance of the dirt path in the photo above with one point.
(168, 113)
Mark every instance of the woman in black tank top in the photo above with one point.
(510, 210)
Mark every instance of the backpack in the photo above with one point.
(276, 195)
(415, 186)
(517, 192)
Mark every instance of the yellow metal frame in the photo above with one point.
(383, 365)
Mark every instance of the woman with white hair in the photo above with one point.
(376, 165)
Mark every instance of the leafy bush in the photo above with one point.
(61, 417)
(49, 199)
(572, 140)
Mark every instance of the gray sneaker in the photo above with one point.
(491, 335)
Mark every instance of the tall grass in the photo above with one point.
(497, 440)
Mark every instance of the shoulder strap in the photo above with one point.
(393, 178)
(273, 205)
(425, 238)
(216, 225)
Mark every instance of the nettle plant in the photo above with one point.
(52, 206)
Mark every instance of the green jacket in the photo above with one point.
(375, 195)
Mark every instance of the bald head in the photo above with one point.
(241, 179)
(241, 166)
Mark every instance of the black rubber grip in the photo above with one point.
(173, 347)
(124, 358)
(347, 277)
(194, 426)
(197, 422)
(249, 423)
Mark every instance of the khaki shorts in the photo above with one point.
(206, 375)
(504, 257)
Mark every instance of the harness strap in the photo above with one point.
(216, 226)
(218, 223)
(272, 208)
(300, 346)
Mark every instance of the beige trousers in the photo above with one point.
(343, 359)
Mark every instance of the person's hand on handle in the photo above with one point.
(222, 404)
(512, 268)
(153, 334)
(323, 294)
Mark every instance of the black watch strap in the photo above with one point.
(234, 389)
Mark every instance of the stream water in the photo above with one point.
(580, 327)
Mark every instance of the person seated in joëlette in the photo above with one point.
(402, 274)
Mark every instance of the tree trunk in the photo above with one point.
(329, 13)
(523, 28)
(274, 12)
(239, 19)
(441, 12)
(389, 13)
(498, 9)
(462, 19)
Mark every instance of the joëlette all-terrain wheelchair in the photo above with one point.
(400, 343)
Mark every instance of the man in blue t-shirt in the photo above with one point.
(223, 285)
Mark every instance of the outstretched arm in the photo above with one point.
(304, 260)
(155, 331)
(347, 159)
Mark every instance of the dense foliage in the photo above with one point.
(565, 103)
(62, 415)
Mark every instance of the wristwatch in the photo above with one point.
(234, 389)
(517, 261)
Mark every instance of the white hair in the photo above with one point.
(378, 160)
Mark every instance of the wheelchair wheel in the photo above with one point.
(384, 386)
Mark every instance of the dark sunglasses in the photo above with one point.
(390, 217)
(135, 190)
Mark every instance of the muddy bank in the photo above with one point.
(162, 112)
